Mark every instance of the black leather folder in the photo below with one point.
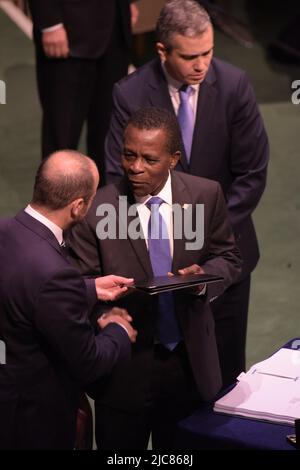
(157, 285)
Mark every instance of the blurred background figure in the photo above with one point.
(82, 48)
(222, 17)
(286, 46)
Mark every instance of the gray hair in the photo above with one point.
(185, 17)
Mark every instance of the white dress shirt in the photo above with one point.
(55, 229)
(52, 28)
(174, 86)
(166, 212)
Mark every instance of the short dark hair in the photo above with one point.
(55, 190)
(185, 17)
(152, 117)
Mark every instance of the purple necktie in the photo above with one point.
(185, 118)
(161, 261)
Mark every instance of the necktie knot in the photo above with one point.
(154, 201)
(185, 91)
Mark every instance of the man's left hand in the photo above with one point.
(193, 269)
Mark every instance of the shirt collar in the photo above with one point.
(165, 194)
(55, 229)
(174, 85)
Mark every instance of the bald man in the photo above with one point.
(51, 348)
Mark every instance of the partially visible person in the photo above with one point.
(51, 350)
(175, 363)
(222, 18)
(224, 139)
(82, 49)
(286, 46)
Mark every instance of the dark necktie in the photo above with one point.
(185, 118)
(64, 249)
(161, 261)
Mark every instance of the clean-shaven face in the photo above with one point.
(189, 58)
(146, 160)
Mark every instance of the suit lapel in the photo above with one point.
(205, 110)
(38, 228)
(158, 88)
(125, 220)
(181, 197)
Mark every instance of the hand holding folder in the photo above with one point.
(161, 284)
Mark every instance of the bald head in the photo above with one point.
(63, 177)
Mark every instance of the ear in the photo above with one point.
(77, 207)
(175, 157)
(161, 50)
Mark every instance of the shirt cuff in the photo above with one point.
(52, 28)
(203, 291)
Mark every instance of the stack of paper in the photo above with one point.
(270, 390)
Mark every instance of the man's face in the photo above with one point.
(146, 160)
(189, 58)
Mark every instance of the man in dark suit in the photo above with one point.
(172, 369)
(82, 49)
(50, 347)
(227, 139)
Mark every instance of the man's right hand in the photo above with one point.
(55, 43)
(111, 287)
(120, 316)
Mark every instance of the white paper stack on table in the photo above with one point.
(270, 390)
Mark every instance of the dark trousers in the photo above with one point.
(172, 396)
(73, 91)
(231, 313)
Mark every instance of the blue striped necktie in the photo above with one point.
(161, 261)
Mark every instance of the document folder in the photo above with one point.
(161, 284)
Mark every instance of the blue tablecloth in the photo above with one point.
(206, 429)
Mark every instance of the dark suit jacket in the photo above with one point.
(229, 145)
(51, 350)
(128, 388)
(89, 23)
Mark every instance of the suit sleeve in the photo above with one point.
(45, 13)
(121, 111)
(224, 257)
(249, 155)
(60, 317)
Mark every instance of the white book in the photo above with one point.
(270, 390)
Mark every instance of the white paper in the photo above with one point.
(270, 390)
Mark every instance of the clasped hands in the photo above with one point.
(110, 288)
(56, 42)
